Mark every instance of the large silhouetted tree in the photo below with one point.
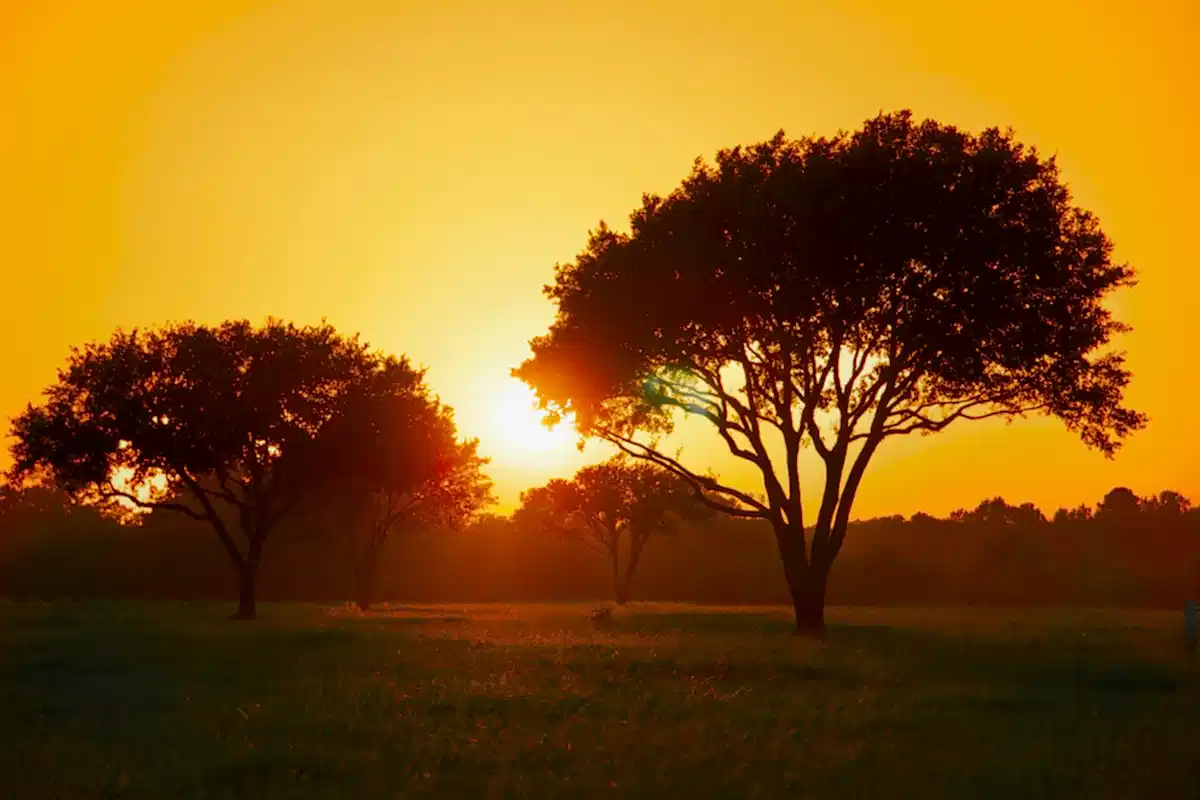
(391, 462)
(835, 292)
(198, 420)
(610, 507)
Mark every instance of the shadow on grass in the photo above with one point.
(653, 622)
(384, 620)
(766, 623)
(1054, 667)
(252, 776)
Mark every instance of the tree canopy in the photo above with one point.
(606, 505)
(834, 292)
(391, 460)
(201, 420)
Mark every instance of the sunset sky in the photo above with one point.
(413, 171)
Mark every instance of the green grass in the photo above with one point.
(123, 700)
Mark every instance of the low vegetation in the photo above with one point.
(168, 700)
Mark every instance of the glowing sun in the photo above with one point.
(518, 427)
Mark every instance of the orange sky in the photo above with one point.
(414, 170)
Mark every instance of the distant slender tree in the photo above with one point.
(198, 420)
(836, 292)
(610, 507)
(391, 462)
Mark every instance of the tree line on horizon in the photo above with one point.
(822, 292)
(1123, 552)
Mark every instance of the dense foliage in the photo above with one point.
(390, 461)
(997, 554)
(614, 508)
(225, 425)
(834, 292)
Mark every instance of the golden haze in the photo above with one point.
(414, 170)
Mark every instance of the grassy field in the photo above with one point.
(121, 700)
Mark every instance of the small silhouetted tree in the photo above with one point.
(391, 462)
(998, 513)
(198, 420)
(613, 507)
(1080, 514)
(833, 293)
(1167, 505)
(1119, 504)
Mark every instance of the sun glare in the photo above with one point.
(517, 423)
(148, 490)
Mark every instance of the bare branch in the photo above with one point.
(110, 492)
(913, 420)
(792, 435)
(812, 400)
(227, 493)
(700, 483)
(750, 418)
(212, 516)
(599, 537)
(748, 427)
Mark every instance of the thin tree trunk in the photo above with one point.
(635, 555)
(619, 589)
(364, 583)
(247, 598)
(622, 592)
(248, 579)
(366, 565)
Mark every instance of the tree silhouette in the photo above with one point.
(391, 461)
(197, 420)
(997, 512)
(1120, 502)
(1168, 504)
(34, 501)
(837, 292)
(1081, 513)
(606, 504)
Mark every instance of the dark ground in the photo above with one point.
(125, 700)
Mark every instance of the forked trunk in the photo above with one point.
(806, 583)
(808, 601)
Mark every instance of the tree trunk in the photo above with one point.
(247, 598)
(614, 551)
(806, 583)
(808, 601)
(248, 579)
(366, 563)
(364, 584)
(635, 555)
